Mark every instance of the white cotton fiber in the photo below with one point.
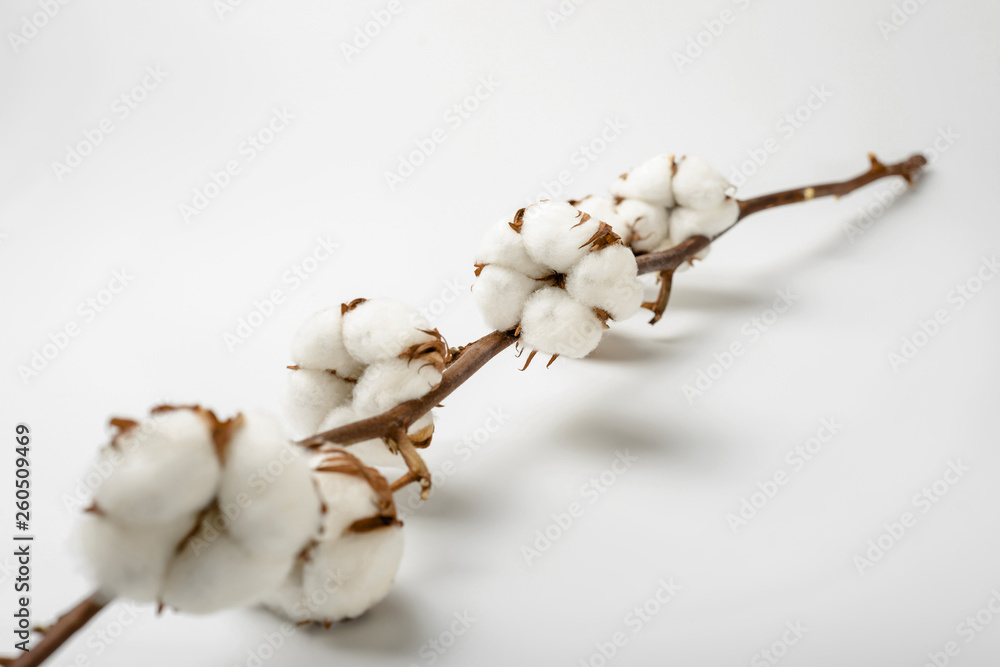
(310, 395)
(602, 208)
(380, 329)
(607, 279)
(130, 561)
(555, 323)
(267, 490)
(386, 384)
(648, 224)
(502, 246)
(688, 222)
(500, 294)
(215, 572)
(319, 344)
(164, 468)
(347, 496)
(557, 235)
(698, 185)
(650, 181)
(357, 570)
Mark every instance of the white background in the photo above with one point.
(858, 295)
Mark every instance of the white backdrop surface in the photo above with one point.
(118, 116)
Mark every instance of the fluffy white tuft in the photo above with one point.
(162, 469)
(500, 294)
(267, 490)
(130, 561)
(386, 384)
(650, 181)
(358, 567)
(648, 224)
(502, 246)
(381, 329)
(319, 344)
(214, 571)
(607, 279)
(698, 185)
(347, 497)
(688, 222)
(310, 395)
(555, 323)
(557, 235)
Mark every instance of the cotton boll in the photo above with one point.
(557, 235)
(648, 224)
(688, 222)
(346, 488)
(163, 468)
(607, 279)
(650, 181)
(555, 323)
(357, 569)
(602, 208)
(386, 384)
(380, 329)
(290, 600)
(267, 489)
(698, 185)
(214, 571)
(310, 395)
(372, 452)
(130, 561)
(319, 344)
(502, 246)
(500, 294)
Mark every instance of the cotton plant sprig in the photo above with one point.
(201, 514)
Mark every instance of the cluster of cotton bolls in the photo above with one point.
(663, 202)
(358, 360)
(201, 515)
(558, 271)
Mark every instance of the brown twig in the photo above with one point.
(60, 631)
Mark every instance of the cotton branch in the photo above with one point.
(60, 631)
(476, 354)
(392, 425)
